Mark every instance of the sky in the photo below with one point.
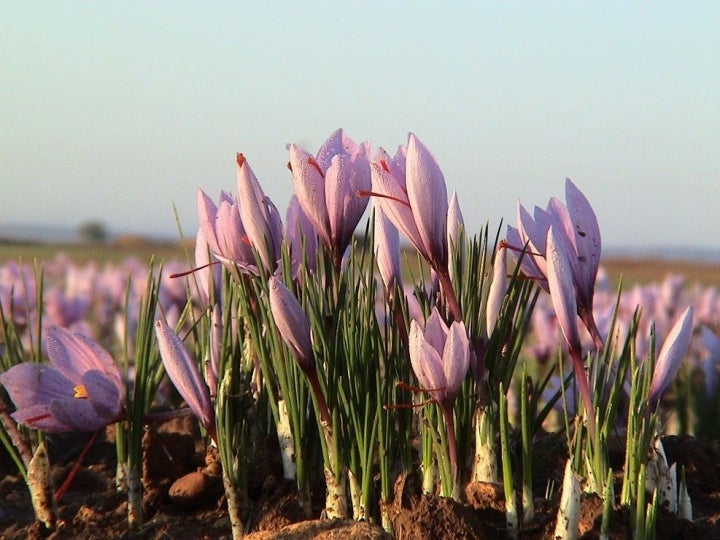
(119, 111)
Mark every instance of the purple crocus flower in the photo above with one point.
(563, 297)
(259, 216)
(498, 288)
(234, 228)
(576, 226)
(440, 357)
(326, 187)
(81, 391)
(183, 372)
(292, 323)
(455, 223)
(671, 355)
(414, 198)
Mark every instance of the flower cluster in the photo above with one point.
(300, 331)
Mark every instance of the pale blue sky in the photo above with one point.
(117, 111)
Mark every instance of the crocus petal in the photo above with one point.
(336, 143)
(30, 384)
(232, 241)
(498, 288)
(586, 235)
(343, 179)
(427, 194)
(456, 358)
(454, 222)
(528, 265)
(103, 395)
(184, 374)
(426, 362)
(394, 202)
(292, 323)
(387, 249)
(671, 355)
(40, 417)
(256, 215)
(534, 234)
(78, 414)
(75, 354)
(301, 234)
(309, 185)
(562, 291)
(208, 277)
(207, 215)
(436, 331)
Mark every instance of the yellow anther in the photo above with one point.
(80, 392)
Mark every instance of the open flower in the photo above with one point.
(183, 372)
(81, 391)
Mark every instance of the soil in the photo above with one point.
(183, 498)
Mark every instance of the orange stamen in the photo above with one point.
(80, 392)
(240, 159)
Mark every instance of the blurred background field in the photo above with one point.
(633, 270)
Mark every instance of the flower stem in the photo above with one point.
(449, 290)
(447, 412)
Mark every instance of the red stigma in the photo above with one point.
(31, 421)
(240, 159)
(363, 193)
(313, 163)
(182, 274)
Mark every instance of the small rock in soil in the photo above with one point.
(195, 489)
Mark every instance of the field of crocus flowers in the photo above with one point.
(306, 377)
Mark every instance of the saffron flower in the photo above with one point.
(576, 226)
(326, 186)
(671, 355)
(563, 297)
(414, 197)
(234, 228)
(184, 374)
(81, 391)
(410, 189)
(292, 323)
(440, 357)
